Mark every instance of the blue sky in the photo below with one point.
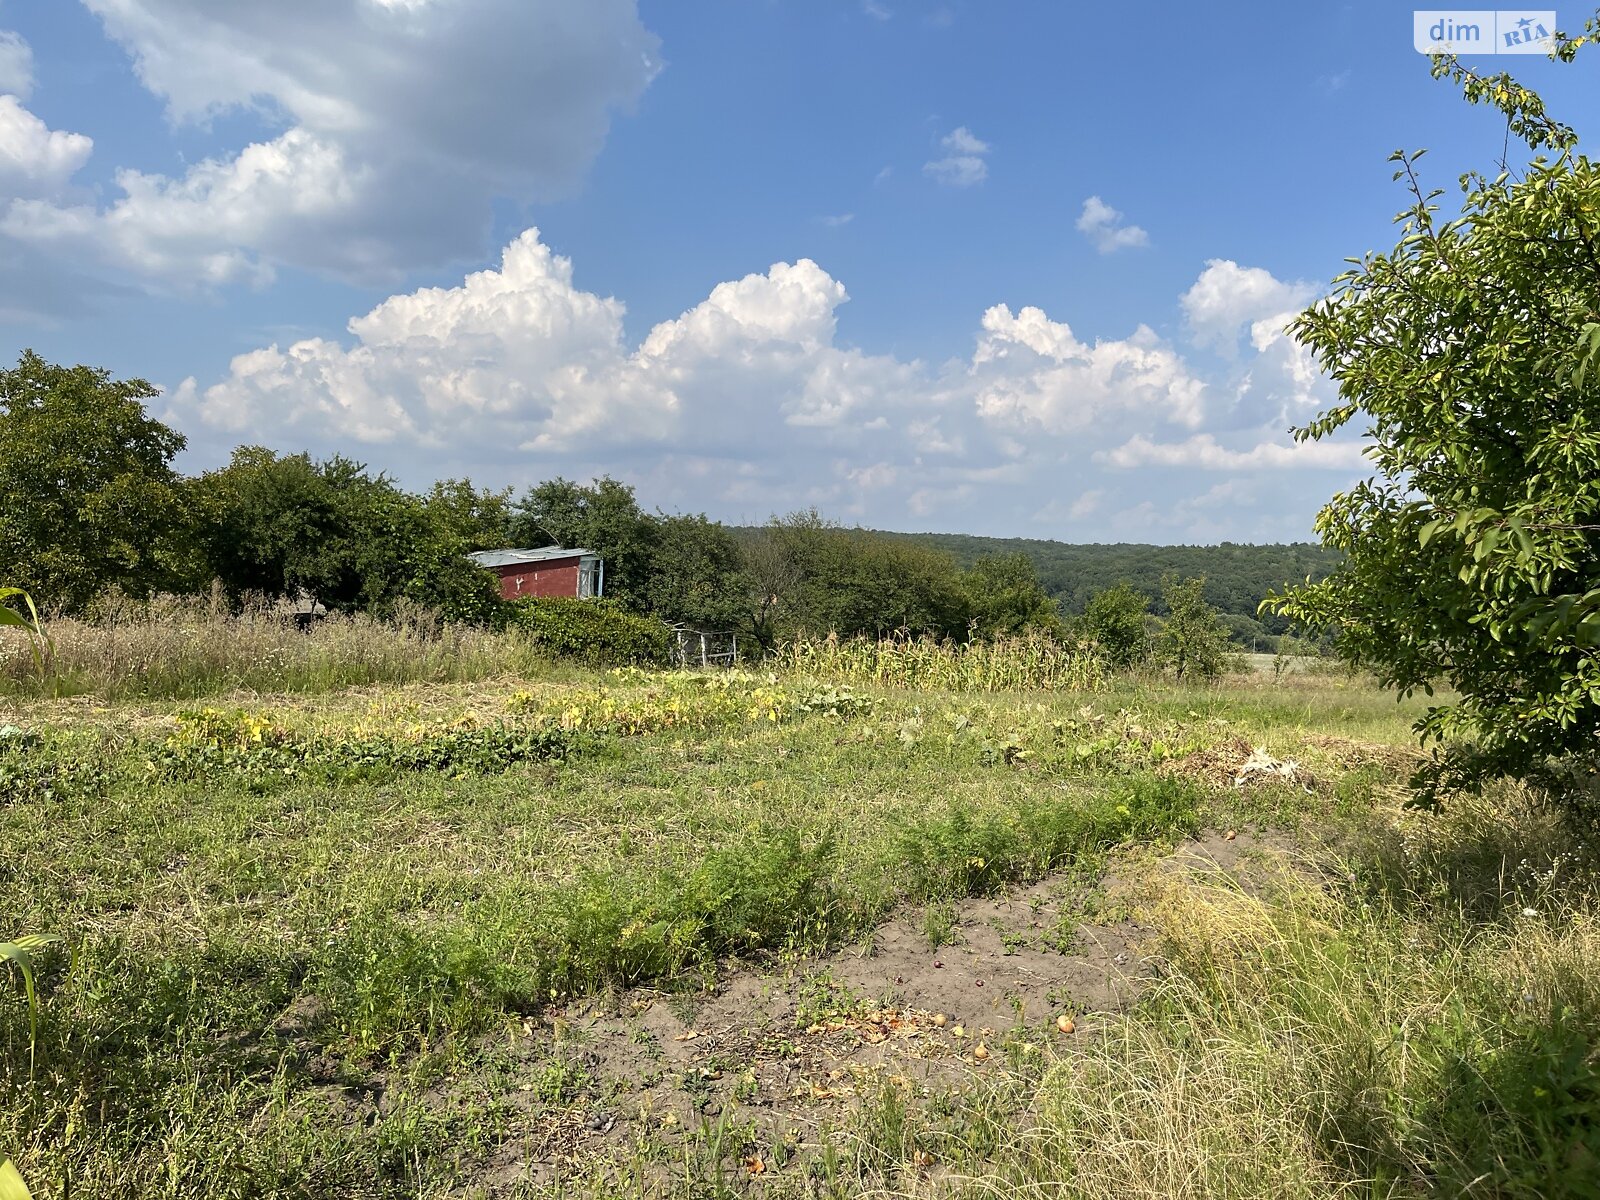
(1004, 267)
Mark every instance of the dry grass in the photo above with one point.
(1416, 1015)
(186, 647)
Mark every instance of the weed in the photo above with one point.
(250, 928)
(823, 998)
(939, 923)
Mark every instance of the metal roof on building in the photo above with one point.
(511, 558)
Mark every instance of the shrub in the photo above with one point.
(595, 632)
(1114, 623)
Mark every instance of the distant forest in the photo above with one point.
(1237, 576)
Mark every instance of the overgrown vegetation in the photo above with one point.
(1399, 1015)
(183, 648)
(596, 632)
(389, 884)
(1238, 577)
(1473, 558)
(1000, 665)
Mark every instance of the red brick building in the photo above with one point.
(552, 571)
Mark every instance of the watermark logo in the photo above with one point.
(1483, 31)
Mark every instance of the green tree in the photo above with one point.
(277, 525)
(1114, 621)
(478, 518)
(695, 573)
(604, 517)
(856, 582)
(771, 577)
(1192, 638)
(1004, 596)
(1472, 350)
(92, 500)
(280, 525)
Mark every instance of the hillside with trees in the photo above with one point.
(1238, 576)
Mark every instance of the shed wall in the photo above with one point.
(554, 577)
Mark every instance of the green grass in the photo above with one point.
(248, 931)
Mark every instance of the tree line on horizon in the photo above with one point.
(98, 512)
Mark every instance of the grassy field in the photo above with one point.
(701, 935)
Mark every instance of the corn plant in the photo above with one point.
(20, 952)
(11, 1185)
(39, 642)
(1005, 664)
(20, 955)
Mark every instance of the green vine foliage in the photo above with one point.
(1472, 349)
(210, 744)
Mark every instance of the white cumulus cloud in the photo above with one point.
(748, 402)
(1106, 228)
(1228, 298)
(401, 121)
(965, 160)
(35, 160)
(1032, 372)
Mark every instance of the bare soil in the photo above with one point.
(935, 1003)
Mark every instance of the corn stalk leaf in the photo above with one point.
(20, 953)
(11, 1185)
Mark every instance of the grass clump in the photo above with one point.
(42, 767)
(963, 852)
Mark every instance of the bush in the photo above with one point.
(1114, 623)
(595, 632)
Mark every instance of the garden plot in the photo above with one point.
(769, 1068)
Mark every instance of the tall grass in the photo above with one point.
(1424, 1019)
(1005, 664)
(186, 647)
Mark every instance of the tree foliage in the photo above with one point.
(1472, 350)
(1192, 640)
(1004, 596)
(1238, 576)
(695, 573)
(807, 574)
(286, 525)
(1115, 623)
(92, 500)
